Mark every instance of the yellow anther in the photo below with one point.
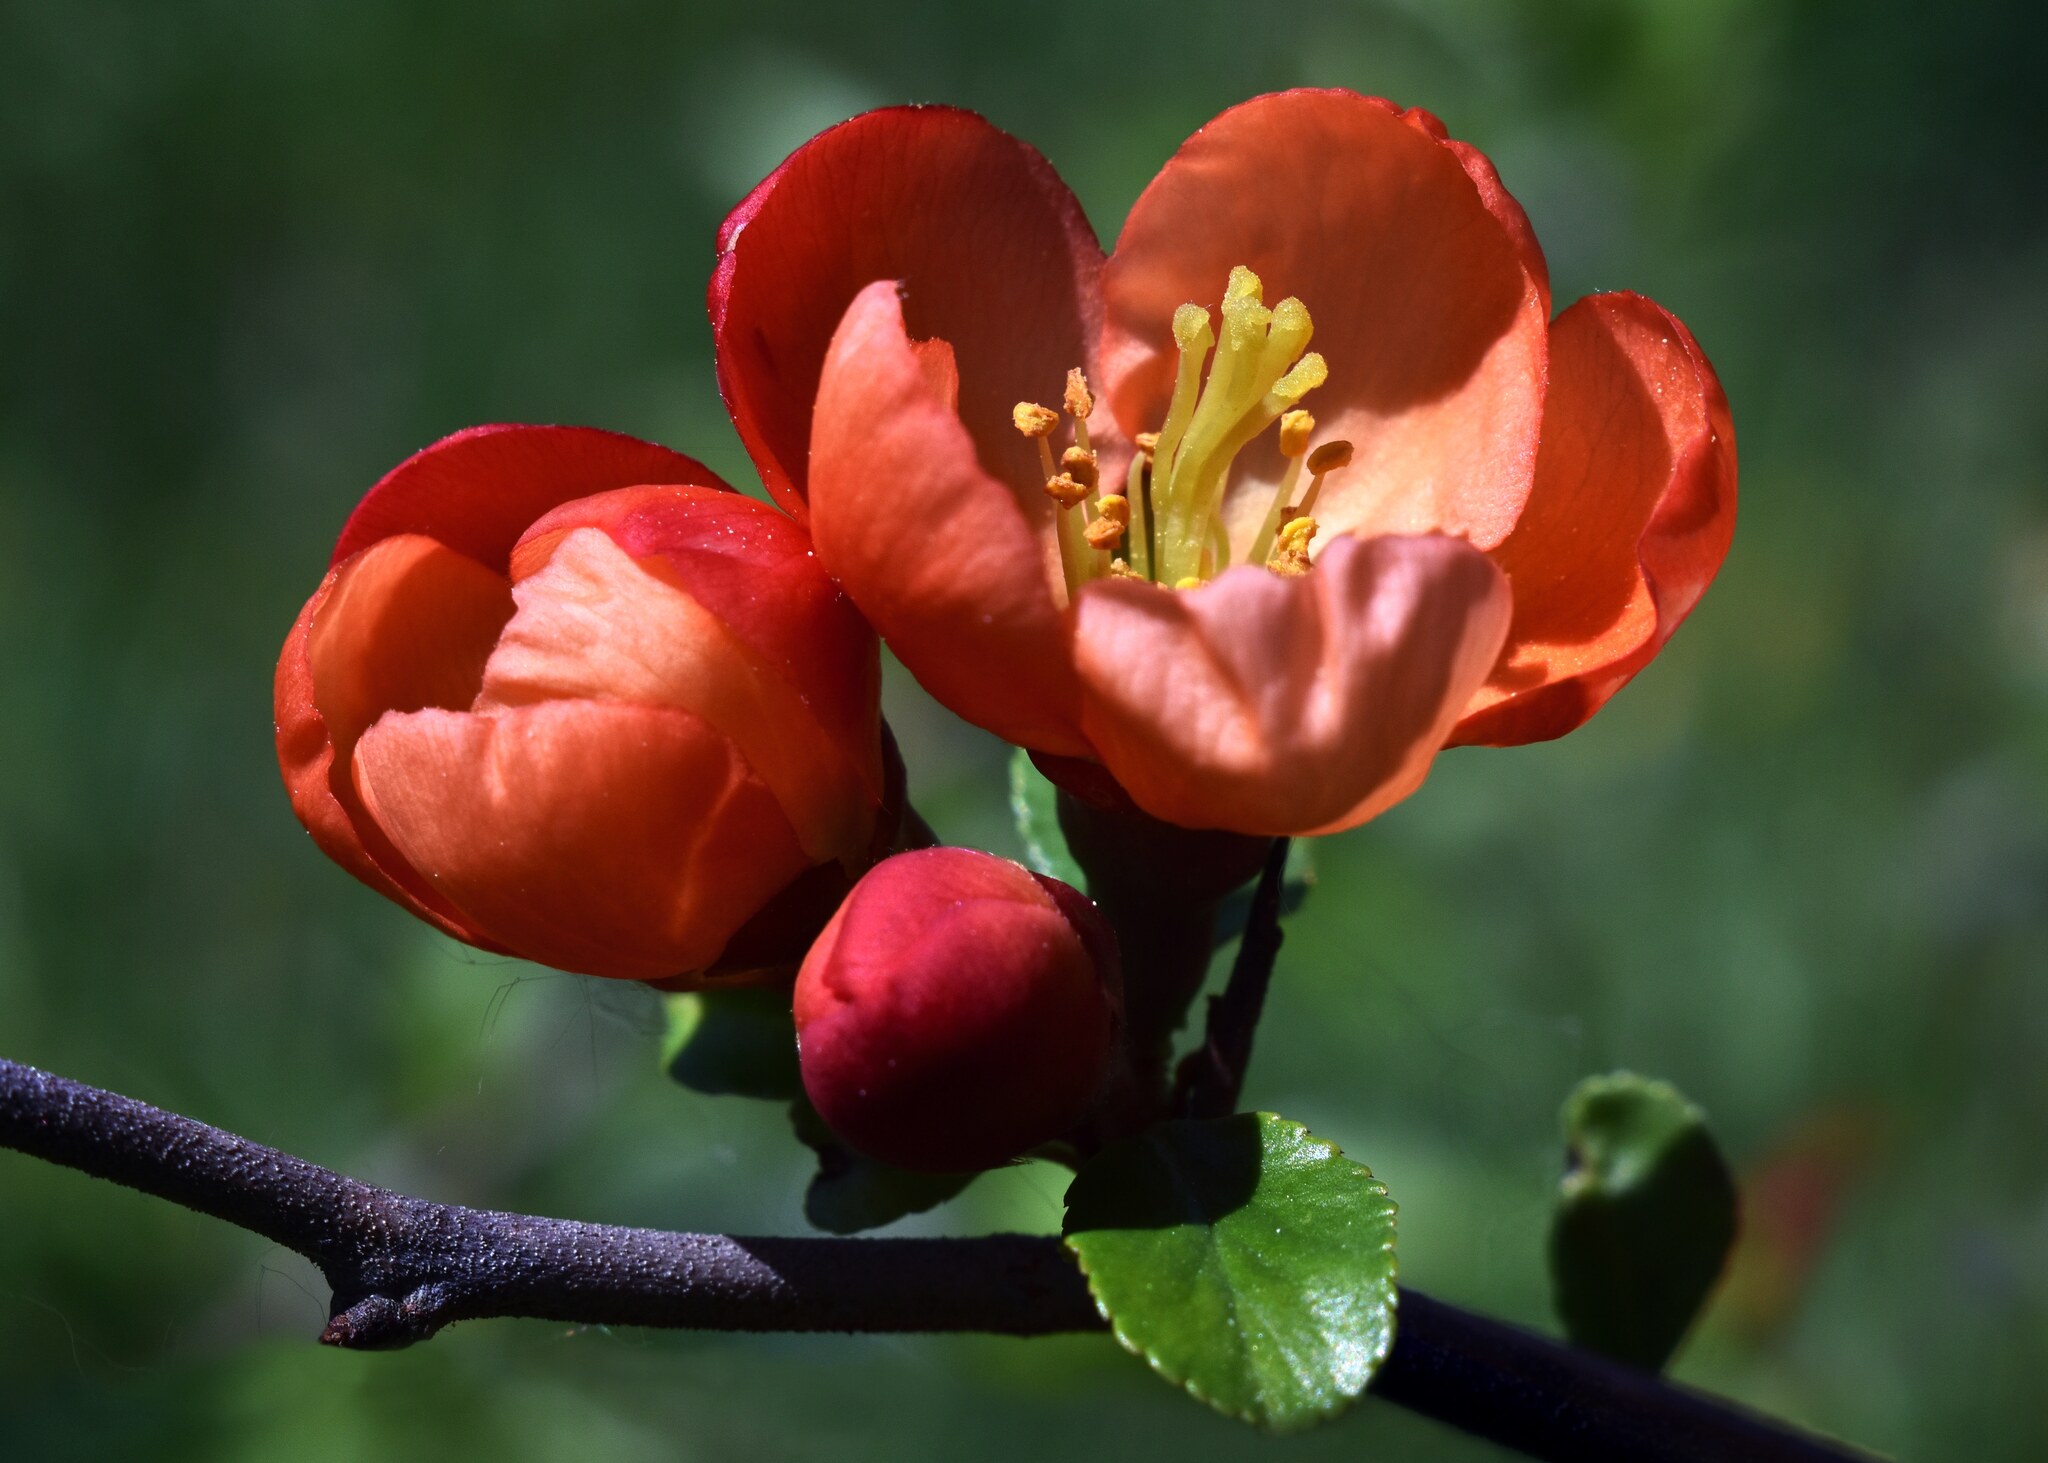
(1329, 457)
(1118, 569)
(1107, 531)
(1243, 285)
(1079, 403)
(1148, 442)
(1034, 420)
(1325, 459)
(1295, 427)
(1289, 558)
(1103, 534)
(1064, 491)
(1078, 463)
(1187, 581)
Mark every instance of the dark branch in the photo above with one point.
(1212, 1075)
(402, 1268)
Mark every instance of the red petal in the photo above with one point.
(1427, 290)
(1633, 511)
(993, 252)
(1275, 706)
(596, 624)
(755, 571)
(478, 490)
(611, 840)
(943, 559)
(405, 624)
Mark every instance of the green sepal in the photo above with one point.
(1244, 1259)
(737, 1042)
(1034, 804)
(851, 1192)
(1645, 1218)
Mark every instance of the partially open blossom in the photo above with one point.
(1118, 510)
(958, 1011)
(566, 696)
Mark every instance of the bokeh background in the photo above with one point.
(252, 254)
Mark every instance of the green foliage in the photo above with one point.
(1245, 1260)
(851, 1192)
(1645, 1218)
(1033, 803)
(738, 1042)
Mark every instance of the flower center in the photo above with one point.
(1167, 524)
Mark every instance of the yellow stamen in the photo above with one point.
(1078, 463)
(1107, 530)
(1034, 420)
(1187, 581)
(1324, 460)
(1147, 441)
(1289, 558)
(1065, 490)
(1295, 427)
(1080, 405)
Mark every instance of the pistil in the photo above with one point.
(1168, 522)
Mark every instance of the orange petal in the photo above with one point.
(1275, 706)
(611, 840)
(407, 623)
(1428, 294)
(1633, 511)
(478, 490)
(941, 557)
(595, 625)
(994, 253)
(755, 570)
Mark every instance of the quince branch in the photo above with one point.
(401, 1268)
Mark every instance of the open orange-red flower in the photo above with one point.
(566, 696)
(1258, 585)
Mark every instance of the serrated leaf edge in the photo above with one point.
(1346, 1401)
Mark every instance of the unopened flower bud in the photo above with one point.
(957, 1012)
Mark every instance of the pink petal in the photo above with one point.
(1276, 706)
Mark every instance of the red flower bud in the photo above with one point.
(564, 714)
(958, 1011)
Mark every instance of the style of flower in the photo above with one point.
(566, 696)
(1243, 584)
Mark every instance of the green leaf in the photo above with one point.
(851, 1192)
(1245, 1260)
(734, 1041)
(1645, 1218)
(1237, 906)
(1033, 803)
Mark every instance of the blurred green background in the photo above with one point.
(252, 254)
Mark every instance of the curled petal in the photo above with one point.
(594, 624)
(478, 490)
(1428, 294)
(1275, 706)
(941, 557)
(407, 623)
(993, 252)
(755, 571)
(1632, 515)
(610, 840)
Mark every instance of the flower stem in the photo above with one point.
(1160, 887)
